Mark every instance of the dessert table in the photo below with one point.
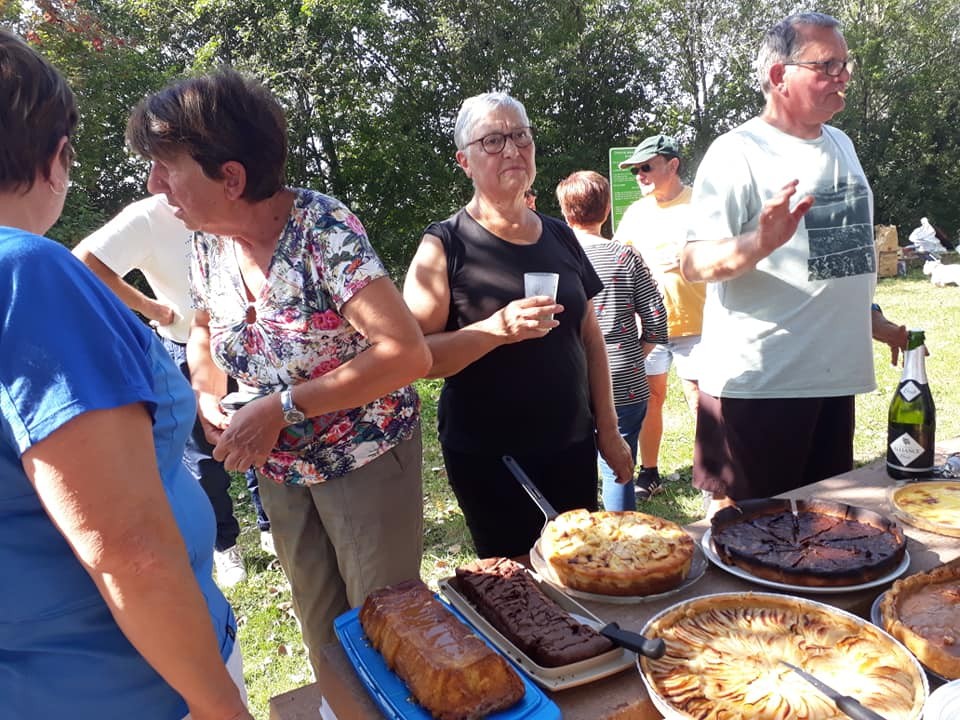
(338, 695)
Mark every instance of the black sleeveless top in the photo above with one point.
(529, 396)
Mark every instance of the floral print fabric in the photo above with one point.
(294, 332)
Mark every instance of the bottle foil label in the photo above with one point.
(909, 391)
(906, 449)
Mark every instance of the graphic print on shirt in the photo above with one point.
(839, 232)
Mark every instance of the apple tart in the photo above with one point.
(723, 652)
(617, 553)
(923, 612)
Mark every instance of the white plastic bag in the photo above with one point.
(924, 239)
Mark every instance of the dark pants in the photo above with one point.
(253, 486)
(503, 520)
(198, 459)
(747, 448)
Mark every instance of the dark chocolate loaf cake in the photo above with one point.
(503, 592)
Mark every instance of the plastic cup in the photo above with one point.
(539, 283)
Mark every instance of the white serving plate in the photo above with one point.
(707, 543)
(878, 621)
(671, 713)
(698, 566)
(556, 678)
(943, 703)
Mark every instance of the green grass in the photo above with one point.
(274, 659)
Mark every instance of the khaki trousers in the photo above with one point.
(339, 540)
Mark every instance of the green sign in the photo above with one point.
(624, 189)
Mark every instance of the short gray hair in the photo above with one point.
(782, 43)
(476, 108)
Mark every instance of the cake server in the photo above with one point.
(640, 644)
(532, 490)
(848, 705)
(626, 639)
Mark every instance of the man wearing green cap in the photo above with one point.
(656, 225)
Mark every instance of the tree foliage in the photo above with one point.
(903, 107)
(371, 89)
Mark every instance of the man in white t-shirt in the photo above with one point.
(146, 235)
(787, 321)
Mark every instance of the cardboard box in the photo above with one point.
(885, 236)
(887, 264)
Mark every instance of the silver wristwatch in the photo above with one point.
(291, 413)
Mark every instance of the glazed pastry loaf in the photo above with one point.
(451, 672)
(505, 594)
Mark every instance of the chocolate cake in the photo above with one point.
(823, 544)
(505, 594)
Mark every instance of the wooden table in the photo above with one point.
(623, 696)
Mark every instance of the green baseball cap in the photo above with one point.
(651, 147)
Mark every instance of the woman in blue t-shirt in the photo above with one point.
(108, 608)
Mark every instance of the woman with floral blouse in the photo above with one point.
(294, 304)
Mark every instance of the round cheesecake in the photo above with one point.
(617, 553)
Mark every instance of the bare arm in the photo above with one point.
(397, 355)
(125, 536)
(427, 293)
(716, 260)
(611, 445)
(128, 294)
(888, 332)
(208, 381)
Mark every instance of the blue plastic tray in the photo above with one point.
(391, 693)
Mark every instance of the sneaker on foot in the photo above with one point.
(266, 543)
(229, 566)
(648, 485)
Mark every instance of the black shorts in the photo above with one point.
(748, 448)
(503, 520)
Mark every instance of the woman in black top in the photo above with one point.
(517, 381)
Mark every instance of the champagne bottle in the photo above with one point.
(912, 422)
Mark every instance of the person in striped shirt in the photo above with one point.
(629, 292)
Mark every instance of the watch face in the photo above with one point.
(291, 413)
(294, 416)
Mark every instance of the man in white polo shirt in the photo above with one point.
(147, 236)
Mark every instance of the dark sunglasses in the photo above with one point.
(645, 168)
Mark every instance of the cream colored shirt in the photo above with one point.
(658, 231)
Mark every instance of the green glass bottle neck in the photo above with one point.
(915, 339)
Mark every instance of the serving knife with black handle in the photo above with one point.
(850, 706)
(634, 641)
